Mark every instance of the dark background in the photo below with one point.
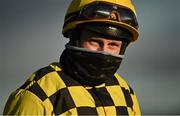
(30, 38)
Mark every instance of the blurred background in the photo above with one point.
(30, 38)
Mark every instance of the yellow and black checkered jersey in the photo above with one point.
(49, 91)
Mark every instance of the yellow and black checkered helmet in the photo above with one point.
(118, 13)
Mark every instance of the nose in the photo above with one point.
(105, 48)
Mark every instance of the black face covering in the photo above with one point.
(92, 67)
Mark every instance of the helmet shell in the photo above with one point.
(77, 5)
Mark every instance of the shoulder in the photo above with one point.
(123, 83)
(129, 94)
(45, 81)
(35, 92)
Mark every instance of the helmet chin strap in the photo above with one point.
(90, 51)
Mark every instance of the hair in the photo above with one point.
(74, 36)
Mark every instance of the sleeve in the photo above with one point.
(23, 102)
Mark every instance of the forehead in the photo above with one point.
(87, 34)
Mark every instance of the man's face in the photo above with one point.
(97, 42)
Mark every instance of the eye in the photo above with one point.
(115, 45)
(94, 42)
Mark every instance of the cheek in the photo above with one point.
(115, 50)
